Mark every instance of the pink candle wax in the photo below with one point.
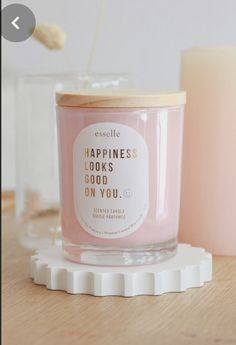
(208, 198)
(120, 165)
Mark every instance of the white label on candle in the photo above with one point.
(111, 187)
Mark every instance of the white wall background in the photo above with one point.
(143, 37)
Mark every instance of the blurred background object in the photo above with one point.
(37, 180)
(208, 200)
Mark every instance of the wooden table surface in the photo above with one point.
(34, 315)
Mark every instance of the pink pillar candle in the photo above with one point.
(208, 200)
(120, 160)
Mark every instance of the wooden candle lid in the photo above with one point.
(120, 99)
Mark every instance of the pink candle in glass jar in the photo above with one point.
(120, 167)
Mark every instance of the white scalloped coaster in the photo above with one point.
(191, 267)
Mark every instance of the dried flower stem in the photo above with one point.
(96, 36)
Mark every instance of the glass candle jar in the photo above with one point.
(37, 192)
(120, 168)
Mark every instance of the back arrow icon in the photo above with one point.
(14, 23)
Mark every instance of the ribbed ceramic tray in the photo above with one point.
(191, 267)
